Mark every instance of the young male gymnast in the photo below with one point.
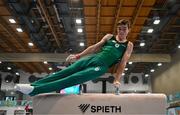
(110, 50)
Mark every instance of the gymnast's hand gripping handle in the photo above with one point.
(117, 90)
(117, 87)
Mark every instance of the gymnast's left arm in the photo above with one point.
(122, 64)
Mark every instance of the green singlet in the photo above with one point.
(83, 70)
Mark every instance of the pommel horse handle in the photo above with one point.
(117, 90)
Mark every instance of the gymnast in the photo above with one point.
(89, 64)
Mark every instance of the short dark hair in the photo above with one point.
(124, 22)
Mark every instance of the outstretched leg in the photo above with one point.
(77, 66)
(74, 79)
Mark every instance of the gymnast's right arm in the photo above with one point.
(91, 49)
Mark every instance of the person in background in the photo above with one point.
(27, 108)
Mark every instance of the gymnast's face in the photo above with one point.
(122, 31)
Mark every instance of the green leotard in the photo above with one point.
(85, 69)
(112, 51)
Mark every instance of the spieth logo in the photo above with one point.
(83, 107)
(102, 109)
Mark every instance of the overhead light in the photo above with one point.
(179, 46)
(19, 29)
(12, 93)
(146, 75)
(0, 62)
(32, 21)
(78, 21)
(159, 64)
(152, 70)
(150, 30)
(126, 69)
(17, 73)
(79, 30)
(12, 21)
(123, 74)
(142, 44)
(45, 62)
(81, 44)
(157, 21)
(50, 68)
(75, 0)
(130, 62)
(30, 44)
(9, 68)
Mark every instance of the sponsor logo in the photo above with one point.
(97, 68)
(83, 107)
(99, 108)
(116, 45)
